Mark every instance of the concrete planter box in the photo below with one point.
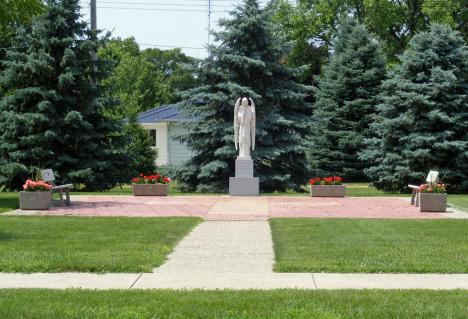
(432, 202)
(150, 189)
(327, 190)
(35, 200)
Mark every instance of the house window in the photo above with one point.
(152, 135)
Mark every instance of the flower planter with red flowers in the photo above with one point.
(327, 187)
(36, 196)
(153, 185)
(432, 198)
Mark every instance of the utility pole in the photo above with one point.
(93, 27)
(209, 23)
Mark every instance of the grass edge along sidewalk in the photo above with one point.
(340, 245)
(282, 303)
(97, 244)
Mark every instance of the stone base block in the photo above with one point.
(150, 189)
(243, 186)
(327, 190)
(432, 202)
(244, 168)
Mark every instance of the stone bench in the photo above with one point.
(414, 195)
(432, 177)
(47, 175)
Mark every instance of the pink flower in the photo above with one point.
(33, 185)
(429, 189)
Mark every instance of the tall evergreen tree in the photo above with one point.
(51, 116)
(246, 64)
(346, 102)
(422, 120)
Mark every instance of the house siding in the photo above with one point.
(178, 153)
(169, 151)
(164, 120)
(161, 140)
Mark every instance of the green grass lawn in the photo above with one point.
(340, 245)
(8, 201)
(94, 244)
(321, 304)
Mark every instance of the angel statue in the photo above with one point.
(244, 127)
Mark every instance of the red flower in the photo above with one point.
(317, 178)
(141, 175)
(145, 177)
(312, 181)
(166, 179)
(156, 176)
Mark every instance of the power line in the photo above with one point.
(170, 46)
(166, 4)
(214, 1)
(150, 9)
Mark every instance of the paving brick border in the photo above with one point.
(246, 208)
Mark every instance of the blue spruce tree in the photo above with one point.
(346, 102)
(247, 64)
(422, 120)
(51, 114)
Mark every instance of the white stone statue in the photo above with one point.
(244, 127)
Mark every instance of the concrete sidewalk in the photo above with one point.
(211, 281)
(223, 246)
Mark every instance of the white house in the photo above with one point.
(162, 123)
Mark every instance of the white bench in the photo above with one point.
(432, 177)
(47, 175)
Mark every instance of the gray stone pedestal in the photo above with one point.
(244, 184)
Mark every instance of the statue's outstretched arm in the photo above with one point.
(252, 123)
(236, 123)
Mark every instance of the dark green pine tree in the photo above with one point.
(247, 64)
(51, 116)
(422, 120)
(346, 102)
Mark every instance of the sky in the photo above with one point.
(163, 24)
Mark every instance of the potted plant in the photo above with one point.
(327, 187)
(153, 185)
(432, 198)
(36, 195)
